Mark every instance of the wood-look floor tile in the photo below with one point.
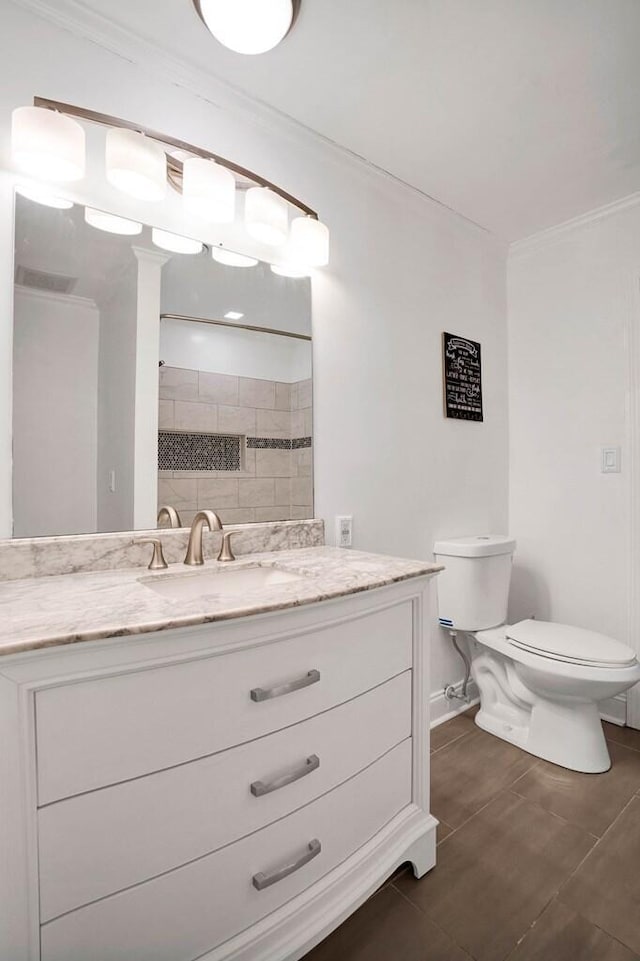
(495, 874)
(387, 928)
(468, 773)
(592, 801)
(606, 888)
(443, 831)
(560, 933)
(622, 735)
(450, 731)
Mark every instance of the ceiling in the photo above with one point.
(518, 114)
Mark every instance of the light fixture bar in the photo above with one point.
(106, 120)
(227, 323)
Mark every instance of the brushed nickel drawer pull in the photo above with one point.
(262, 880)
(265, 693)
(312, 763)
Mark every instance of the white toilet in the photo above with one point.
(539, 682)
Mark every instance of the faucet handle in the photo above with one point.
(157, 562)
(226, 554)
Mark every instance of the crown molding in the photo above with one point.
(575, 223)
(74, 17)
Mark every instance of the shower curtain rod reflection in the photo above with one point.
(228, 323)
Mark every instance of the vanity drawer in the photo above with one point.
(99, 732)
(181, 915)
(101, 842)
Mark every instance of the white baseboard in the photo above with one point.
(442, 709)
(614, 709)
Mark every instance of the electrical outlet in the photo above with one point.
(344, 530)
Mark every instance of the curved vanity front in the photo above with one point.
(228, 789)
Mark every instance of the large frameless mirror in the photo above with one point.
(146, 377)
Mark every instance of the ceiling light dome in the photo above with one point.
(247, 26)
(176, 243)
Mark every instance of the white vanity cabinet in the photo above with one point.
(225, 791)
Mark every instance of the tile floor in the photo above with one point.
(535, 863)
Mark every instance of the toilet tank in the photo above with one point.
(473, 590)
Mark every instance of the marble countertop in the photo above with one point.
(66, 609)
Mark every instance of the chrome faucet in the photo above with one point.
(171, 514)
(194, 547)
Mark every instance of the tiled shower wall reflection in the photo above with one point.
(274, 420)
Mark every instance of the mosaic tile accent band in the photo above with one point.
(277, 443)
(179, 450)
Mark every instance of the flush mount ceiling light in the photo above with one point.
(46, 144)
(175, 242)
(41, 195)
(229, 258)
(233, 315)
(248, 26)
(111, 224)
(136, 165)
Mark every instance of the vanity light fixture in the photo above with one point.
(248, 26)
(41, 195)
(49, 142)
(289, 270)
(209, 190)
(233, 315)
(229, 258)
(111, 224)
(136, 165)
(266, 217)
(309, 241)
(175, 242)
(47, 145)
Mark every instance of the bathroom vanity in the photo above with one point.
(221, 764)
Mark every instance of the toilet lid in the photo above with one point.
(572, 644)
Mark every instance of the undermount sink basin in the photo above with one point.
(218, 583)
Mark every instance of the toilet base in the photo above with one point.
(570, 736)
(563, 730)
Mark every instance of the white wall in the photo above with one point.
(242, 353)
(55, 414)
(573, 306)
(403, 269)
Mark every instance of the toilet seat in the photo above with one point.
(572, 645)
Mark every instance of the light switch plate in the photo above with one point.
(610, 460)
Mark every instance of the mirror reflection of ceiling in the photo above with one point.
(59, 242)
(519, 114)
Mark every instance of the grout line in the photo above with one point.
(450, 937)
(453, 741)
(599, 841)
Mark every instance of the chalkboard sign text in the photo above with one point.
(462, 372)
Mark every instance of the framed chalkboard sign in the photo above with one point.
(462, 374)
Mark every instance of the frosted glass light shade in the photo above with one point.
(175, 242)
(290, 270)
(266, 217)
(41, 195)
(229, 258)
(209, 190)
(309, 242)
(248, 26)
(47, 145)
(110, 223)
(136, 165)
